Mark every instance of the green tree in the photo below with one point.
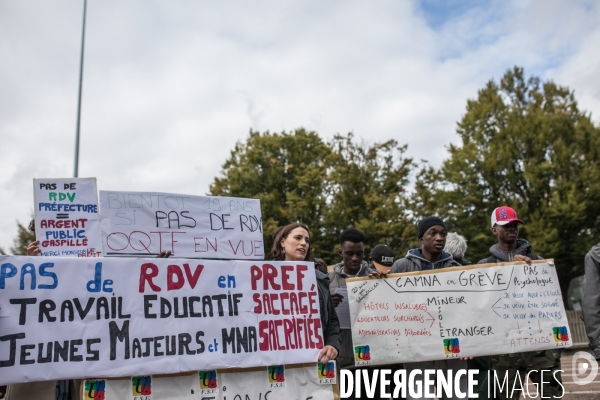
(328, 186)
(366, 189)
(286, 173)
(525, 144)
(24, 237)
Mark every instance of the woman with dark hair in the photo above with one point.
(292, 243)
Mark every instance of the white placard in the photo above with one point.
(66, 217)
(65, 318)
(457, 312)
(302, 383)
(147, 223)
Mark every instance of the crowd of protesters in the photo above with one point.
(439, 249)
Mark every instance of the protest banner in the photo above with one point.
(146, 223)
(301, 380)
(66, 318)
(66, 217)
(457, 312)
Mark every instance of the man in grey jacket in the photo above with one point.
(505, 226)
(591, 299)
(431, 255)
(352, 250)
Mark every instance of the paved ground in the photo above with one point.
(573, 391)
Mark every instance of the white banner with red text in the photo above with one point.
(64, 318)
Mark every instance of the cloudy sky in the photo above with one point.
(170, 86)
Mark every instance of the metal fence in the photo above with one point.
(578, 334)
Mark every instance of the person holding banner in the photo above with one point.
(505, 226)
(292, 243)
(432, 234)
(352, 249)
(431, 254)
(457, 246)
(44, 390)
(591, 299)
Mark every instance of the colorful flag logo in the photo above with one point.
(362, 353)
(560, 333)
(94, 389)
(451, 346)
(141, 385)
(208, 379)
(276, 374)
(326, 371)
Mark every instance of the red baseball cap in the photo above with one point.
(505, 215)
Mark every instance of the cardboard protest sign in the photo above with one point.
(146, 223)
(107, 317)
(66, 217)
(246, 384)
(457, 312)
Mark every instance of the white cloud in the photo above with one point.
(170, 86)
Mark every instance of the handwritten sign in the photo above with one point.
(106, 317)
(144, 223)
(457, 312)
(66, 217)
(302, 383)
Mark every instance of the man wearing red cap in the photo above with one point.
(505, 226)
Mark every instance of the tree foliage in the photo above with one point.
(328, 186)
(366, 189)
(24, 237)
(524, 144)
(286, 173)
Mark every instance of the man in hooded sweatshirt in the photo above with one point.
(431, 255)
(505, 226)
(352, 251)
(591, 299)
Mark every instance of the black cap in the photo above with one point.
(427, 223)
(382, 254)
(383, 257)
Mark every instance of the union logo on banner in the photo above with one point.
(276, 376)
(208, 382)
(94, 389)
(362, 355)
(326, 373)
(141, 387)
(560, 333)
(451, 346)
